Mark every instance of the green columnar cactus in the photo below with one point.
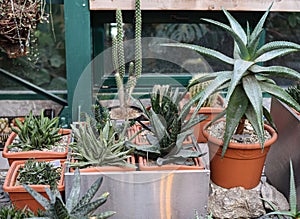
(118, 57)
(199, 87)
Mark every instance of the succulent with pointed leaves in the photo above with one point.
(74, 208)
(105, 148)
(37, 133)
(168, 128)
(248, 79)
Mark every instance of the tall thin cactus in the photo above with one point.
(135, 68)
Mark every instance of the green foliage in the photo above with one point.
(248, 79)
(39, 173)
(293, 212)
(105, 148)
(294, 91)
(168, 128)
(74, 208)
(101, 115)
(118, 57)
(199, 87)
(37, 133)
(11, 212)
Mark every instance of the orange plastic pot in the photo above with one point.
(24, 155)
(241, 165)
(130, 160)
(19, 196)
(210, 112)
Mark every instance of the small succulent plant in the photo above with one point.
(37, 133)
(104, 147)
(168, 128)
(39, 173)
(75, 207)
(199, 87)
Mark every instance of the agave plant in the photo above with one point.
(105, 148)
(37, 133)
(118, 57)
(74, 208)
(168, 128)
(248, 79)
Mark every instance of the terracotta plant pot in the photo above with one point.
(130, 160)
(19, 196)
(210, 112)
(14, 156)
(241, 165)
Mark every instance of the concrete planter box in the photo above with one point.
(150, 194)
(286, 147)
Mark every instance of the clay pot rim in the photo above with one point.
(235, 145)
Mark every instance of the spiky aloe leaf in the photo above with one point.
(237, 38)
(203, 51)
(280, 94)
(274, 46)
(254, 94)
(236, 108)
(103, 215)
(60, 209)
(158, 126)
(280, 71)
(239, 70)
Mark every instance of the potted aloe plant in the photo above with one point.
(168, 129)
(245, 84)
(100, 149)
(37, 137)
(38, 174)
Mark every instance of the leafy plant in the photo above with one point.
(294, 91)
(248, 79)
(118, 57)
(293, 212)
(39, 173)
(105, 148)
(74, 207)
(37, 133)
(168, 128)
(199, 87)
(101, 114)
(11, 212)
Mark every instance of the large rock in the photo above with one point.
(235, 203)
(271, 194)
